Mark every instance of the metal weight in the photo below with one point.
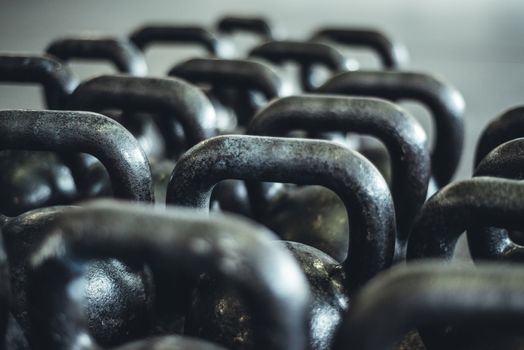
(57, 80)
(240, 253)
(304, 54)
(403, 136)
(488, 298)
(443, 100)
(149, 34)
(256, 25)
(305, 162)
(121, 53)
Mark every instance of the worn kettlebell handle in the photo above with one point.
(241, 253)
(149, 34)
(238, 74)
(303, 54)
(478, 202)
(82, 132)
(392, 54)
(255, 25)
(431, 294)
(404, 138)
(120, 52)
(306, 162)
(443, 100)
(167, 97)
(508, 126)
(506, 161)
(57, 79)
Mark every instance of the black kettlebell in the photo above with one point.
(242, 76)
(240, 253)
(117, 286)
(303, 54)
(120, 52)
(150, 34)
(319, 226)
(505, 161)
(57, 80)
(443, 100)
(305, 162)
(172, 102)
(485, 301)
(258, 26)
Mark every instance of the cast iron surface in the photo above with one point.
(508, 126)
(255, 25)
(443, 100)
(150, 34)
(240, 253)
(170, 343)
(4, 295)
(479, 202)
(398, 130)
(506, 161)
(304, 54)
(57, 80)
(171, 100)
(392, 54)
(488, 298)
(304, 162)
(121, 53)
(66, 131)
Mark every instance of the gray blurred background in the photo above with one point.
(474, 44)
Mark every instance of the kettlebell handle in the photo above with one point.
(238, 74)
(55, 77)
(443, 100)
(393, 55)
(239, 252)
(120, 52)
(430, 294)
(255, 25)
(305, 162)
(82, 132)
(149, 34)
(167, 97)
(404, 138)
(304, 54)
(478, 202)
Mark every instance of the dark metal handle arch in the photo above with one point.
(430, 294)
(255, 25)
(157, 33)
(305, 162)
(245, 255)
(391, 54)
(505, 161)
(84, 132)
(168, 97)
(239, 74)
(479, 202)
(443, 100)
(57, 79)
(120, 52)
(401, 133)
(304, 54)
(506, 127)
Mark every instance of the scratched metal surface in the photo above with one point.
(476, 44)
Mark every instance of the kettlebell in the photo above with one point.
(443, 100)
(303, 54)
(403, 136)
(240, 253)
(305, 162)
(117, 286)
(153, 33)
(258, 26)
(505, 161)
(120, 52)
(485, 300)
